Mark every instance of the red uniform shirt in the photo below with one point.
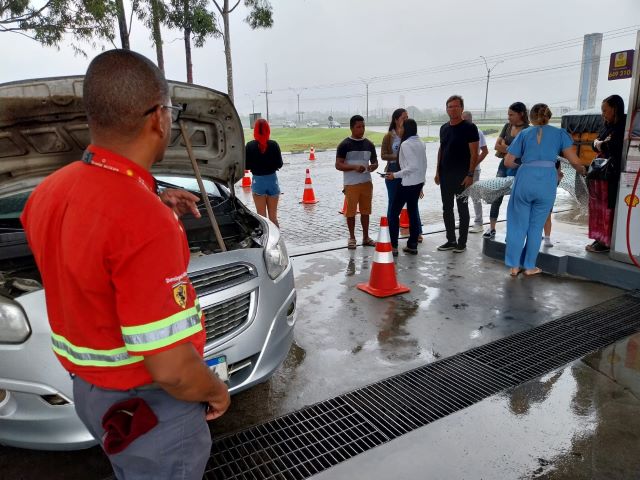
(113, 260)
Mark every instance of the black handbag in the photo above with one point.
(600, 169)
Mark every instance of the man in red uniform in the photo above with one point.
(124, 317)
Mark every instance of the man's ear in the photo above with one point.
(155, 123)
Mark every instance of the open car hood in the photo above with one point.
(43, 127)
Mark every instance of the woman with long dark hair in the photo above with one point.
(534, 189)
(264, 159)
(603, 192)
(389, 152)
(412, 159)
(518, 121)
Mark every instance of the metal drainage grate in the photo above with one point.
(303, 443)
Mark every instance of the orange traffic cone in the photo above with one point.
(383, 282)
(404, 218)
(312, 153)
(246, 180)
(308, 196)
(344, 208)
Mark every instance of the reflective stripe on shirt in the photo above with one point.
(164, 332)
(84, 356)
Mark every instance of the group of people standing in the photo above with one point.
(528, 148)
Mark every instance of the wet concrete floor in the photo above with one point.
(579, 422)
(345, 339)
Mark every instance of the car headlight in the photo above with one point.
(14, 326)
(276, 257)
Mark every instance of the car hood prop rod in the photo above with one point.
(203, 192)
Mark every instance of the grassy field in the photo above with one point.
(298, 139)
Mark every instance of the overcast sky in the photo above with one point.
(318, 43)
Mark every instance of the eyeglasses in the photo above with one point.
(176, 110)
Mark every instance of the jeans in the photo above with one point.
(450, 188)
(392, 188)
(409, 196)
(477, 203)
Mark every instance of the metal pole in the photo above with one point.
(203, 191)
(367, 103)
(298, 106)
(486, 94)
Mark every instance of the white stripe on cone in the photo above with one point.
(383, 235)
(383, 257)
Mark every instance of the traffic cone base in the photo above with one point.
(382, 281)
(308, 197)
(404, 218)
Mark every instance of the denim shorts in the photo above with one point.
(265, 185)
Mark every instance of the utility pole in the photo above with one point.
(298, 92)
(366, 83)
(266, 90)
(486, 92)
(253, 102)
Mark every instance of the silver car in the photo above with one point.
(247, 293)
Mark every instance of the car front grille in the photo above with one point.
(226, 317)
(220, 278)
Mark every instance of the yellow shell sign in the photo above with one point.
(632, 201)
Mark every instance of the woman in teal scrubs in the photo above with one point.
(534, 189)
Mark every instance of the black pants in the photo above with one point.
(410, 196)
(450, 188)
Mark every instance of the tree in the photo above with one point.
(87, 21)
(153, 16)
(260, 16)
(197, 23)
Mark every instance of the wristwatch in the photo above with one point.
(469, 174)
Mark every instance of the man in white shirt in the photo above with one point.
(483, 151)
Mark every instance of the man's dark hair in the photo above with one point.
(353, 120)
(455, 97)
(119, 87)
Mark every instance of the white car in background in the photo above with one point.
(312, 124)
(289, 124)
(247, 294)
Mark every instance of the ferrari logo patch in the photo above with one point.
(180, 294)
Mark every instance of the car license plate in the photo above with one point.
(219, 366)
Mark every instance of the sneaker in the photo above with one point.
(447, 246)
(410, 251)
(490, 233)
(546, 242)
(475, 229)
(459, 248)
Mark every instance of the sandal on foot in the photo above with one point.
(352, 244)
(368, 242)
(532, 272)
(515, 272)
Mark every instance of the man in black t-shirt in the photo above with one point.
(457, 160)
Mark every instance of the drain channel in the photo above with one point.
(299, 445)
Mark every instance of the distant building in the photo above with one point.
(587, 93)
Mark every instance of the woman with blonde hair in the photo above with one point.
(534, 189)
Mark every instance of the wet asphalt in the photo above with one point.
(576, 422)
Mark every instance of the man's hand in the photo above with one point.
(360, 168)
(180, 201)
(436, 179)
(389, 176)
(373, 167)
(216, 409)
(467, 182)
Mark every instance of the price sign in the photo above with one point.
(621, 65)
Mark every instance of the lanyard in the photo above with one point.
(103, 161)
